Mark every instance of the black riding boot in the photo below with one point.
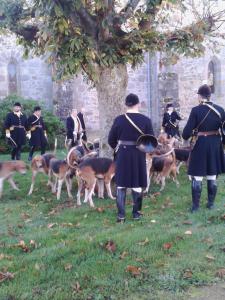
(196, 194)
(120, 202)
(31, 153)
(137, 205)
(212, 190)
(13, 154)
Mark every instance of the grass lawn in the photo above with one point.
(58, 251)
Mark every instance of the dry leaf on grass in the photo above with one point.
(68, 267)
(210, 257)
(187, 222)
(187, 274)
(188, 232)
(76, 287)
(110, 246)
(139, 259)
(52, 225)
(25, 216)
(123, 255)
(167, 246)
(4, 256)
(5, 276)
(143, 243)
(135, 271)
(220, 273)
(100, 209)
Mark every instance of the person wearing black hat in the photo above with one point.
(130, 161)
(207, 156)
(170, 121)
(37, 134)
(15, 129)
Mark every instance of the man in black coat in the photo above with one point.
(207, 155)
(170, 121)
(130, 162)
(37, 132)
(75, 128)
(15, 129)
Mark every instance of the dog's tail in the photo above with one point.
(55, 146)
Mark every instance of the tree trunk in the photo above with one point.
(111, 90)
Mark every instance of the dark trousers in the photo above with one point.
(34, 148)
(16, 153)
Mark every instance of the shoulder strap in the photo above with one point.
(203, 119)
(213, 109)
(134, 125)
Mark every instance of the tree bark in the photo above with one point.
(111, 90)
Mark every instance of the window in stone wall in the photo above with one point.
(12, 78)
(211, 76)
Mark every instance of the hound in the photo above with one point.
(89, 171)
(7, 169)
(61, 171)
(40, 164)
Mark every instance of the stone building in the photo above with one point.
(155, 85)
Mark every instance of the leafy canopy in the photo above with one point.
(87, 35)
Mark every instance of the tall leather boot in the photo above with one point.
(212, 190)
(196, 186)
(120, 202)
(137, 205)
(18, 155)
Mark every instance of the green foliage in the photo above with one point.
(68, 260)
(55, 128)
(90, 35)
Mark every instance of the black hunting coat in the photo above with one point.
(37, 128)
(17, 127)
(169, 123)
(130, 162)
(70, 127)
(207, 156)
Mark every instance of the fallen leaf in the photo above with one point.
(187, 274)
(139, 259)
(100, 209)
(153, 221)
(123, 255)
(110, 246)
(207, 240)
(85, 216)
(220, 273)
(143, 243)
(76, 287)
(188, 232)
(68, 267)
(187, 222)
(67, 225)
(52, 225)
(25, 215)
(4, 256)
(179, 238)
(135, 271)
(167, 246)
(210, 257)
(5, 276)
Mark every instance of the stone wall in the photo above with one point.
(33, 76)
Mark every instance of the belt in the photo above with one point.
(207, 133)
(17, 126)
(127, 143)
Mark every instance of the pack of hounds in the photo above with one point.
(94, 173)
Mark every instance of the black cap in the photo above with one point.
(131, 100)
(169, 105)
(204, 91)
(17, 104)
(37, 108)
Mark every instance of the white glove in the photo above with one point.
(46, 135)
(7, 135)
(28, 135)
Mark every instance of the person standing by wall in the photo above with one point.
(207, 156)
(170, 121)
(130, 161)
(15, 130)
(36, 132)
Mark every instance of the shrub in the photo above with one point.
(55, 127)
